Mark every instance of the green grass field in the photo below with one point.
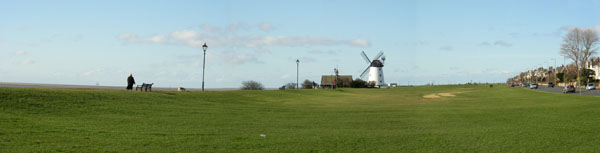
(452, 119)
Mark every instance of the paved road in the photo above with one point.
(559, 90)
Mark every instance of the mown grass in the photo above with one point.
(477, 119)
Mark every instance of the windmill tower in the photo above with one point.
(375, 69)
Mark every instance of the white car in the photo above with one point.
(590, 86)
(533, 86)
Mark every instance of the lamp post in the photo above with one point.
(297, 72)
(554, 70)
(547, 72)
(204, 47)
(565, 72)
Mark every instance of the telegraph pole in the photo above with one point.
(297, 72)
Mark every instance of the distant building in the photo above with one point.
(594, 65)
(392, 84)
(327, 81)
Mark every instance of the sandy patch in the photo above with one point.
(443, 94)
(431, 96)
(446, 94)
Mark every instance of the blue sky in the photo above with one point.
(89, 42)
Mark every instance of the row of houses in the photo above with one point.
(594, 65)
(549, 75)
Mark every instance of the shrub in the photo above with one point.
(358, 83)
(290, 85)
(371, 84)
(307, 84)
(252, 85)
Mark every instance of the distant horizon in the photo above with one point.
(91, 86)
(444, 42)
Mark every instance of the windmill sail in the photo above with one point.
(362, 75)
(378, 55)
(365, 57)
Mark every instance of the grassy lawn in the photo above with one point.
(451, 119)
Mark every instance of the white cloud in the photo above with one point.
(567, 28)
(315, 52)
(20, 52)
(234, 27)
(27, 61)
(194, 38)
(228, 58)
(571, 27)
(156, 39)
(360, 42)
(285, 76)
(133, 38)
(496, 43)
(210, 28)
(238, 58)
(502, 43)
(184, 34)
(330, 52)
(485, 43)
(307, 59)
(290, 41)
(266, 27)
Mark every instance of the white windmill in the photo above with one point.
(375, 69)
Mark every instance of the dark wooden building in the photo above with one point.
(327, 81)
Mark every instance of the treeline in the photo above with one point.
(307, 84)
(561, 74)
(580, 47)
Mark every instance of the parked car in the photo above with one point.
(569, 88)
(550, 85)
(533, 86)
(590, 86)
(514, 84)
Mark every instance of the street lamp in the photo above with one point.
(542, 73)
(554, 70)
(204, 47)
(297, 72)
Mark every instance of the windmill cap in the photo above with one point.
(376, 63)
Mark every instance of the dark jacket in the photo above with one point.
(130, 82)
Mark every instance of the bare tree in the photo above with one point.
(589, 42)
(579, 45)
(252, 85)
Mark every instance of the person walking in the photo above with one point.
(130, 82)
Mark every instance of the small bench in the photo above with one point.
(144, 87)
